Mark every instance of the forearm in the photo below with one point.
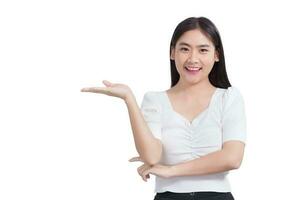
(214, 162)
(148, 147)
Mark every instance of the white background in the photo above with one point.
(58, 143)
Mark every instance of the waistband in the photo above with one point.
(201, 194)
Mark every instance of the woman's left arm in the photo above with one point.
(228, 158)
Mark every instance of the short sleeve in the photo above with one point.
(151, 110)
(234, 116)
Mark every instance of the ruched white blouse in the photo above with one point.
(224, 119)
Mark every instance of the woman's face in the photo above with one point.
(194, 56)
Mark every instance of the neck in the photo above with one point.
(202, 87)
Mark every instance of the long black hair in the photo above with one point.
(217, 76)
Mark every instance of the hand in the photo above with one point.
(142, 168)
(112, 89)
(159, 170)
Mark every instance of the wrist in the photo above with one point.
(173, 171)
(129, 98)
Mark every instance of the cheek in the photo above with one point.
(182, 58)
(208, 61)
(180, 61)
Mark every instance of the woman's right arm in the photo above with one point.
(148, 147)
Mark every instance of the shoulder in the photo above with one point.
(153, 97)
(232, 94)
(152, 94)
(232, 91)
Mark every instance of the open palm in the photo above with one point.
(112, 89)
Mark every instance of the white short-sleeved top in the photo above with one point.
(223, 120)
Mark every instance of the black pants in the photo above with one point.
(194, 196)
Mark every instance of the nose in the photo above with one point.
(193, 57)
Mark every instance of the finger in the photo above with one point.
(92, 89)
(85, 90)
(142, 168)
(135, 159)
(145, 174)
(103, 90)
(145, 178)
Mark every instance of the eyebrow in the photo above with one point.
(201, 45)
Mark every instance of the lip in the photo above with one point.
(192, 72)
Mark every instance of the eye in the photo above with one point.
(184, 49)
(203, 50)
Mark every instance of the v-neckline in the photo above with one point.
(198, 115)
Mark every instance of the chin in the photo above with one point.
(193, 82)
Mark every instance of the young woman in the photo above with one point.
(191, 135)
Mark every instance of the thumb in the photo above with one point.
(107, 83)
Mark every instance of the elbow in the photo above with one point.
(234, 163)
(152, 159)
(155, 156)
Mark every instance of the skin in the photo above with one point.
(187, 52)
(192, 93)
(118, 90)
(188, 90)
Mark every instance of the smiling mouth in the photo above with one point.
(193, 69)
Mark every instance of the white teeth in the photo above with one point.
(193, 68)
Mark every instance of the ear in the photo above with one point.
(172, 56)
(216, 56)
